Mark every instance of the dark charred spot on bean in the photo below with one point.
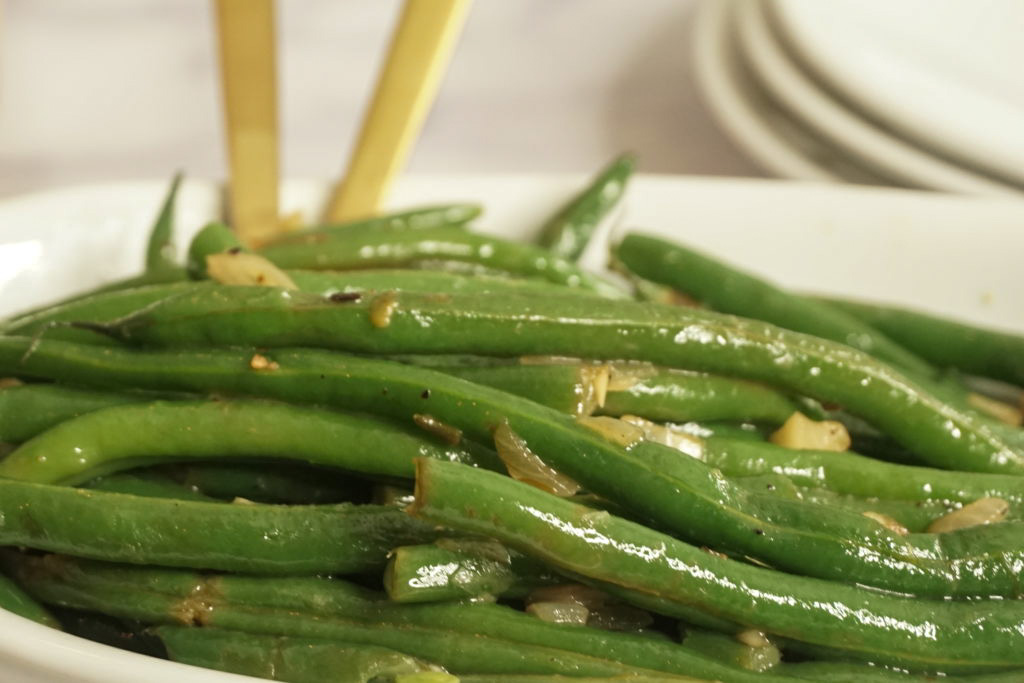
(235, 250)
(771, 487)
(425, 394)
(323, 376)
(345, 297)
(759, 532)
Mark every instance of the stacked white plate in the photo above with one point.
(920, 93)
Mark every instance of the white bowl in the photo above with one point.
(951, 255)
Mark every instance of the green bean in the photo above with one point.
(680, 396)
(568, 388)
(655, 482)
(94, 444)
(96, 307)
(213, 238)
(730, 290)
(15, 600)
(946, 343)
(914, 516)
(853, 474)
(30, 409)
(160, 247)
(468, 569)
(568, 232)
(671, 336)
(267, 482)
(345, 251)
(474, 638)
(412, 220)
(146, 484)
(280, 658)
(729, 649)
(645, 678)
(255, 538)
(922, 635)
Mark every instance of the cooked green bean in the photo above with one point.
(671, 336)
(15, 600)
(730, 290)
(280, 658)
(474, 638)
(29, 409)
(362, 249)
(680, 396)
(468, 569)
(568, 232)
(95, 444)
(853, 474)
(272, 539)
(729, 649)
(421, 218)
(918, 634)
(654, 481)
(946, 343)
(213, 238)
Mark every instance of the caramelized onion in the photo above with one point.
(1000, 410)
(888, 522)
(240, 268)
(526, 466)
(802, 433)
(382, 307)
(614, 430)
(981, 511)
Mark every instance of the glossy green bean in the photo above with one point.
(680, 396)
(411, 220)
(730, 290)
(27, 410)
(729, 649)
(470, 569)
(656, 482)
(474, 638)
(15, 600)
(269, 539)
(568, 232)
(346, 251)
(914, 516)
(946, 343)
(918, 634)
(671, 336)
(96, 444)
(853, 474)
(212, 238)
(280, 658)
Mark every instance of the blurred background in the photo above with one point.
(115, 89)
(921, 93)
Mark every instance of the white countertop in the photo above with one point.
(115, 89)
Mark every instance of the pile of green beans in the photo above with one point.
(431, 456)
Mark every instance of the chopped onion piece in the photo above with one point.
(1000, 410)
(613, 429)
(382, 307)
(8, 382)
(560, 612)
(589, 597)
(230, 268)
(981, 511)
(888, 522)
(261, 362)
(753, 638)
(667, 436)
(624, 376)
(524, 465)
(592, 388)
(802, 433)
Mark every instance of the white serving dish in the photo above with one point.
(953, 255)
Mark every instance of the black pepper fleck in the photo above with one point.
(345, 297)
(759, 532)
(425, 394)
(235, 250)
